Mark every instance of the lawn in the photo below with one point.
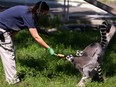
(38, 68)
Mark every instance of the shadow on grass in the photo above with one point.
(32, 67)
(67, 69)
(75, 40)
(37, 64)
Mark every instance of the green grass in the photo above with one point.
(39, 69)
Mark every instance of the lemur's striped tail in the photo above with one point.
(99, 72)
(107, 30)
(104, 29)
(98, 76)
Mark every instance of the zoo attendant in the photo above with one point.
(13, 20)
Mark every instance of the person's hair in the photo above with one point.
(40, 6)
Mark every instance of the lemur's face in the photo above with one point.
(79, 53)
(69, 57)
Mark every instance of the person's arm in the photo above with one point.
(37, 37)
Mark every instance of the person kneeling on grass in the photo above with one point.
(13, 20)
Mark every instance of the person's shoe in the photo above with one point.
(14, 80)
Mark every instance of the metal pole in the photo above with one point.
(66, 9)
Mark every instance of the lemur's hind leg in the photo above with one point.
(83, 80)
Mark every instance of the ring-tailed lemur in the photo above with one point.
(88, 61)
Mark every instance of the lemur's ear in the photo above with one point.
(69, 56)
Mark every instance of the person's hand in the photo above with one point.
(51, 51)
